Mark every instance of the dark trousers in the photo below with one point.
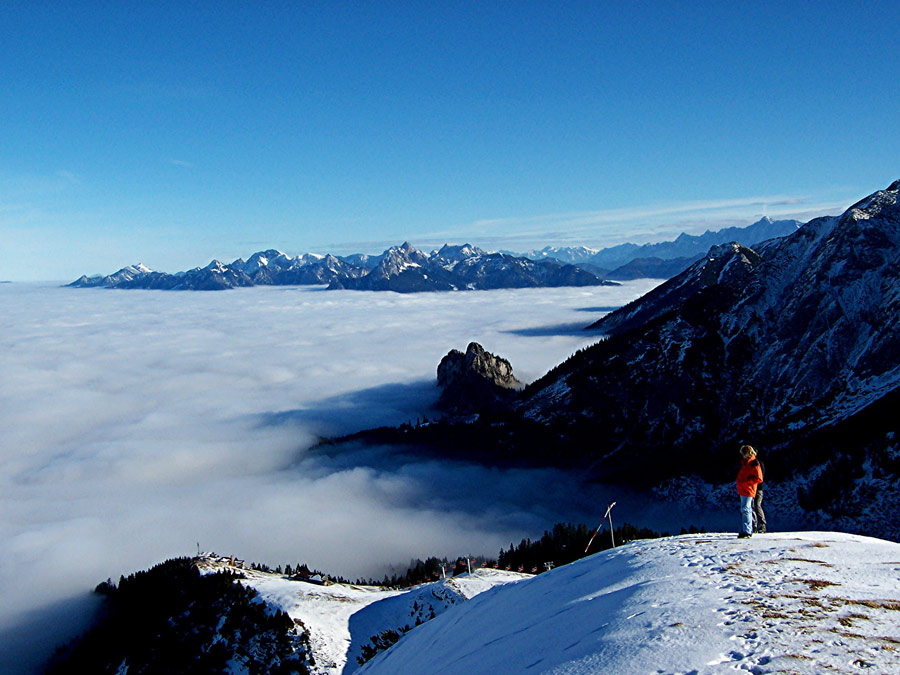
(759, 516)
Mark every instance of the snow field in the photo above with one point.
(791, 602)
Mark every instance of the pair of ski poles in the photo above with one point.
(600, 526)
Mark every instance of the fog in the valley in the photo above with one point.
(137, 425)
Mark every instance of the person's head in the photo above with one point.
(747, 452)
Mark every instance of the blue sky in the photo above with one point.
(173, 133)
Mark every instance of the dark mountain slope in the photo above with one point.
(777, 344)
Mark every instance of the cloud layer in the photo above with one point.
(136, 425)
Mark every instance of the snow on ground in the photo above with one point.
(807, 602)
(340, 618)
(325, 612)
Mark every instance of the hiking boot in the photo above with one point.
(744, 535)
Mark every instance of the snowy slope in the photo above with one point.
(806, 602)
(340, 618)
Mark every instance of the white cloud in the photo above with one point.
(134, 424)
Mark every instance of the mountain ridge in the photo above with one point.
(395, 268)
(683, 246)
(820, 299)
(403, 269)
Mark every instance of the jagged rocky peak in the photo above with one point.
(131, 271)
(270, 258)
(398, 258)
(264, 256)
(406, 249)
(216, 266)
(475, 379)
(876, 204)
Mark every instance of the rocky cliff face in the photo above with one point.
(474, 380)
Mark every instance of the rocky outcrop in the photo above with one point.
(475, 380)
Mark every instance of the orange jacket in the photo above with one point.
(749, 477)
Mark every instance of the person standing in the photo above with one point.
(759, 516)
(749, 476)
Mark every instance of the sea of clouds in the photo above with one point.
(136, 426)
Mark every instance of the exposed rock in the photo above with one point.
(475, 380)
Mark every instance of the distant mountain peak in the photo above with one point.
(459, 253)
(216, 266)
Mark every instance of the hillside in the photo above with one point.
(340, 619)
(808, 602)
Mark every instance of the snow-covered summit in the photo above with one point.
(808, 602)
(455, 254)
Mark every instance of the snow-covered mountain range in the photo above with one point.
(403, 269)
(406, 269)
